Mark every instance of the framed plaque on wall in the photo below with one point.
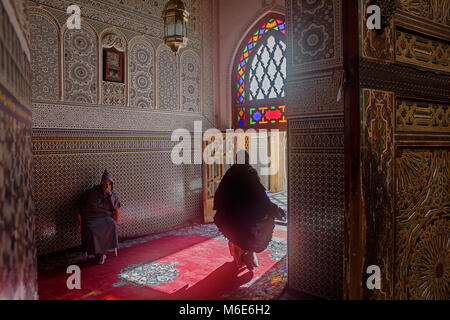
(112, 65)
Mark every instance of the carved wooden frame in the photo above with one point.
(107, 65)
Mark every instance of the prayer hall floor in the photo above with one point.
(191, 263)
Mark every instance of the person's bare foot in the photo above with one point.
(250, 260)
(101, 259)
(255, 260)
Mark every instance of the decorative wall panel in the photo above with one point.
(18, 277)
(207, 50)
(422, 230)
(142, 75)
(374, 45)
(155, 195)
(437, 11)
(377, 162)
(73, 137)
(152, 8)
(44, 33)
(316, 206)
(404, 80)
(113, 40)
(22, 23)
(414, 116)
(315, 36)
(193, 7)
(17, 245)
(420, 51)
(377, 121)
(168, 80)
(190, 83)
(315, 94)
(117, 13)
(15, 70)
(390, 179)
(46, 115)
(140, 17)
(114, 93)
(80, 65)
(316, 147)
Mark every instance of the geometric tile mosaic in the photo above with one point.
(44, 54)
(315, 34)
(155, 194)
(79, 143)
(142, 75)
(190, 82)
(316, 206)
(80, 65)
(18, 277)
(168, 79)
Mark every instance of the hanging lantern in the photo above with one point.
(175, 25)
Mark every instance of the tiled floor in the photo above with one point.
(280, 233)
(280, 199)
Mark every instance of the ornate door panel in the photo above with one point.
(212, 174)
(277, 181)
(422, 228)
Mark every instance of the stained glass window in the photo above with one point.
(260, 77)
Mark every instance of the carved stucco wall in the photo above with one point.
(142, 74)
(168, 80)
(190, 82)
(18, 277)
(114, 93)
(316, 148)
(93, 124)
(80, 65)
(44, 35)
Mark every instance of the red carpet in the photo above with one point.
(191, 266)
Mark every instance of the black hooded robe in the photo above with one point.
(244, 213)
(98, 227)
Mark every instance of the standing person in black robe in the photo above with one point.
(244, 213)
(98, 227)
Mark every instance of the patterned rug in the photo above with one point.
(189, 263)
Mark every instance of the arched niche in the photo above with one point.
(168, 79)
(114, 68)
(45, 62)
(80, 65)
(142, 74)
(190, 82)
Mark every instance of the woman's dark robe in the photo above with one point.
(98, 227)
(244, 213)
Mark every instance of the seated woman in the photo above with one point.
(98, 228)
(244, 213)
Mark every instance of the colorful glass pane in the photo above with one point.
(267, 72)
(241, 116)
(261, 116)
(273, 114)
(275, 24)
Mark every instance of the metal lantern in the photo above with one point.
(175, 25)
